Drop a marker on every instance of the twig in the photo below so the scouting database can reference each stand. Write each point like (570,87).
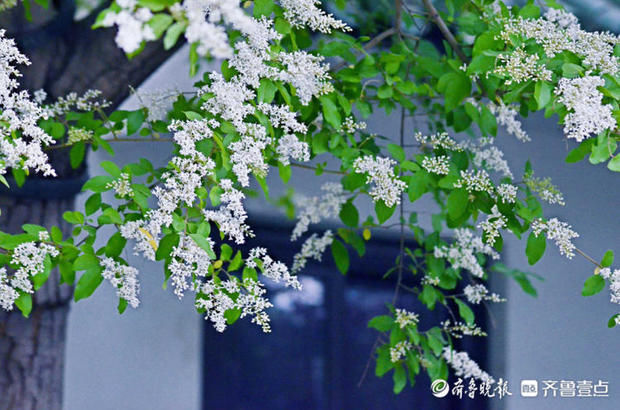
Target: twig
(445,31)
(327,171)
(370,44)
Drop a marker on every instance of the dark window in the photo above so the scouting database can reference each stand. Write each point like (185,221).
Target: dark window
(320,344)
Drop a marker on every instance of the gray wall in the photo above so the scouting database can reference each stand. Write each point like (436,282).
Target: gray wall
(150,358)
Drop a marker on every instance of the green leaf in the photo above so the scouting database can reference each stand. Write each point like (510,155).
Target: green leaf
(349,214)
(542,94)
(285,172)
(98,183)
(455,87)
(341,256)
(383,211)
(382,323)
(232,315)
(457,203)
(266,91)
(385,91)
(397,152)
(399,378)
(579,153)
(330,111)
(88,283)
(593,285)
(614,164)
(122,305)
(204,244)
(612,321)
(165,246)
(608,259)
(530,11)
(159,23)
(535,247)
(115,245)
(263,8)
(465,311)
(73,217)
(111,168)
(24,303)
(76,155)
(93,203)
(173,33)
(134,121)
(86,261)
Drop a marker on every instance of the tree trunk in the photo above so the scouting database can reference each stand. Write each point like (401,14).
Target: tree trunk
(32,349)
(66,56)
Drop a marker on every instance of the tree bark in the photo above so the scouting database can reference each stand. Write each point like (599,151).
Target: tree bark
(32,349)
(66,56)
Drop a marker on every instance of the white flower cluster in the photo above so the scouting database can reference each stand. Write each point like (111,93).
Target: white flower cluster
(350,126)
(430,280)
(558,31)
(274,270)
(478,292)
(507,193)
(438,140)
(387,186)
(189,262)
(91,100)
(186,174)
(132,21)
(122,185)
(465,367)
(487,155)
(315,209)
(507,117)
(301,13)
(559,232)
(519,67)
(8,295)
(494,222)
(437,165)
(231,216)
(157,103)
(124,279)
(289,146)
(587,114)
(29,257)
(399,350)
(475,181)
(462,253)
(231,99)
(21,139)
(460,329)
(79,134)
(614,286)
(405,318)
(544,188)
(313,248)
(217,297)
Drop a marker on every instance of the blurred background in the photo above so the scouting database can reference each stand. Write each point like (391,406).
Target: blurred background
(165,356)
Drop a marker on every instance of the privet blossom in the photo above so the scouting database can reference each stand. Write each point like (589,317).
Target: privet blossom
(462,253)
(387,187)
(124,279)
(21,139)
(465,367)
(559,232)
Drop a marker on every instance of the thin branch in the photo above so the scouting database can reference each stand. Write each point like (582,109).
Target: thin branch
(445,31)
(327,171)
(588,257)
(370,44)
